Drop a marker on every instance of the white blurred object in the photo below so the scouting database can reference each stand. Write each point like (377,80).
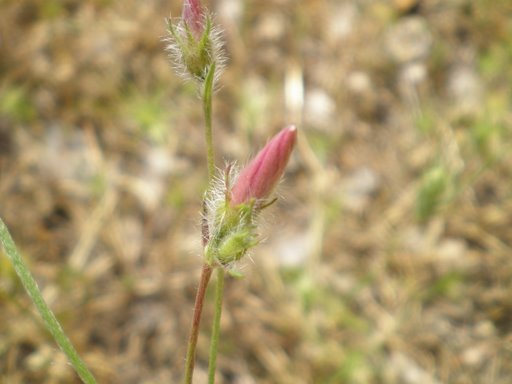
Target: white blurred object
(66,155)
(414,73)
(359,187)
(341,24)
(359,82)
(294,91)
(403,369)
(230,11)
(319,109)
(293,250)
(465,87)
(409,39)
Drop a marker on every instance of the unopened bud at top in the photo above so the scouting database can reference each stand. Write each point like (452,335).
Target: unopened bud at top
(259,178)
(195,45)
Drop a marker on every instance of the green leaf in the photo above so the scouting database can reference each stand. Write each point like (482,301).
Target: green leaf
(49,318)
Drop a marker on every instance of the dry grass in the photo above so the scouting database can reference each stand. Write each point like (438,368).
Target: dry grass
(388,257)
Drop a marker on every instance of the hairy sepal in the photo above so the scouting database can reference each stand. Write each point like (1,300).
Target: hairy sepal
(233,233)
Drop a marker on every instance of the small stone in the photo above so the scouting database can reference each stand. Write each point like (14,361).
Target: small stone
(414,73)
(359,82)
(451,252)
(409,40)
(475,355)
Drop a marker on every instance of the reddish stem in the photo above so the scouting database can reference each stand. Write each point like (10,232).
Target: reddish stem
(196,320)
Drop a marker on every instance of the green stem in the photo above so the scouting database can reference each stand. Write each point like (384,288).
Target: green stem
(48,317)
(196,320)
(207,110)
(207,269)
(214,344)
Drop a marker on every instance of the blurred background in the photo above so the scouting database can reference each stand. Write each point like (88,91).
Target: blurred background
(388,254)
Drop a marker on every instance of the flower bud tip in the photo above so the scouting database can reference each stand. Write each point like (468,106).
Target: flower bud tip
(192,15)
(261,175)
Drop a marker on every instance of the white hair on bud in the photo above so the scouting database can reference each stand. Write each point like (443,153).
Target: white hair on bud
(217,193)
(216,52)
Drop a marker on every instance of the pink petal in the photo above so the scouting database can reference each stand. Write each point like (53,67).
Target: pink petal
(193,16)
(258,179)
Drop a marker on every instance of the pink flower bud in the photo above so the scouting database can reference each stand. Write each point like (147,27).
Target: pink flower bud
(261,175)
(195,43)
(193,16)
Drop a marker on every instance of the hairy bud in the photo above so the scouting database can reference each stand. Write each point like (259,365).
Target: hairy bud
(232,211)
(194,43)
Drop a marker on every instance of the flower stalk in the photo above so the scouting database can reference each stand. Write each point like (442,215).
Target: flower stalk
(229,211)
(233,226)
(207,111)
(214,342)
(196,320)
